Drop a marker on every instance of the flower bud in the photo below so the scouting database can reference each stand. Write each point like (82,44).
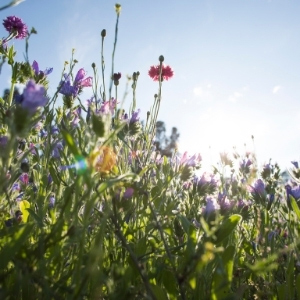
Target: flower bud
(103,33)
(161,58)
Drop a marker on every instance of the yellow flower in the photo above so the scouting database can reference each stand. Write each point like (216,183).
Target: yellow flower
(103,159)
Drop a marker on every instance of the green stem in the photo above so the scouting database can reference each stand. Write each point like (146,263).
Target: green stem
(113,56)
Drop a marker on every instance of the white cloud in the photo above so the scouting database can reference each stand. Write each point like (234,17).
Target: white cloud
(203,92)
(235,96)
(276,89)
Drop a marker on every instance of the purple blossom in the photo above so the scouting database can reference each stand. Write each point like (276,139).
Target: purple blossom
(51,201)
(3,141)
(191,161)
(293,191)
(16,187)
(296,164)
(80,82)
(211,206)
(258,188)
(128,193)
(134,117)
(56,150)
(33,96)
(35,67)
(16,27)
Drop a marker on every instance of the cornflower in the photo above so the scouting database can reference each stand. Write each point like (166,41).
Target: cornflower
(166,72)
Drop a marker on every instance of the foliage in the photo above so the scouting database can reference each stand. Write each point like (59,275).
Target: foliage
(89,209)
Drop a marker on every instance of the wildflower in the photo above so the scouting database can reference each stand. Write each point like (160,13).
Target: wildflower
(166,72)
(206,184)
(33,96)
(24,178)
(294,192)
(191,161)
(128,193)
(258,188)
(108,107)
(16,27)
(211,206)
(38,72)
(58,147)
(3,141)
(296,164)
(103,159)
(51,201)
(80,82)
(244,165)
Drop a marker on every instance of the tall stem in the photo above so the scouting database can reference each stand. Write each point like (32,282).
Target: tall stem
(113,55)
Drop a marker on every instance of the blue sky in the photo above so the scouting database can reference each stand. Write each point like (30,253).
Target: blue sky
(236,64)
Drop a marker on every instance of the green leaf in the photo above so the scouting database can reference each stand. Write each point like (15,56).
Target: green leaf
(159,292)
(295,206)
(70,142)
(227,228)
(24,205)
(222,277)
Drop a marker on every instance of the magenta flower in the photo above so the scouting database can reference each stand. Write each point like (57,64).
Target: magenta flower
(166,72)
(16,27)
(80,81)
(24,178)
(33,96)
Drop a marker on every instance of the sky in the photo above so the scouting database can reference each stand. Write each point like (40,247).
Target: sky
(236,65)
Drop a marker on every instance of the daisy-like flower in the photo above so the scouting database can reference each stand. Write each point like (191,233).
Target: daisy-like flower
(16,27)
(166,72)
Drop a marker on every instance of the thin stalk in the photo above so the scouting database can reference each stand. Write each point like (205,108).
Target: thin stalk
(103,33)
(113,56)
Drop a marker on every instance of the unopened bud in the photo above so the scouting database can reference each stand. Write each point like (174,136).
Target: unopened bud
(103,33)
(93,65)
(161,58)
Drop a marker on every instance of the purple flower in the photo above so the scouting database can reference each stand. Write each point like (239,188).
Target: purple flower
(16,27)
(35,67)
(3,141)
(66,88)
(33,96)
(51,201)
(128,193)
(72,90)
(211,206)
(191,161)
(57,149)
(295,163)
(258,188)
(293,191)
(135,117)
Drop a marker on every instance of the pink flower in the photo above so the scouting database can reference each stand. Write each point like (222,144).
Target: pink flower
(166,72)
